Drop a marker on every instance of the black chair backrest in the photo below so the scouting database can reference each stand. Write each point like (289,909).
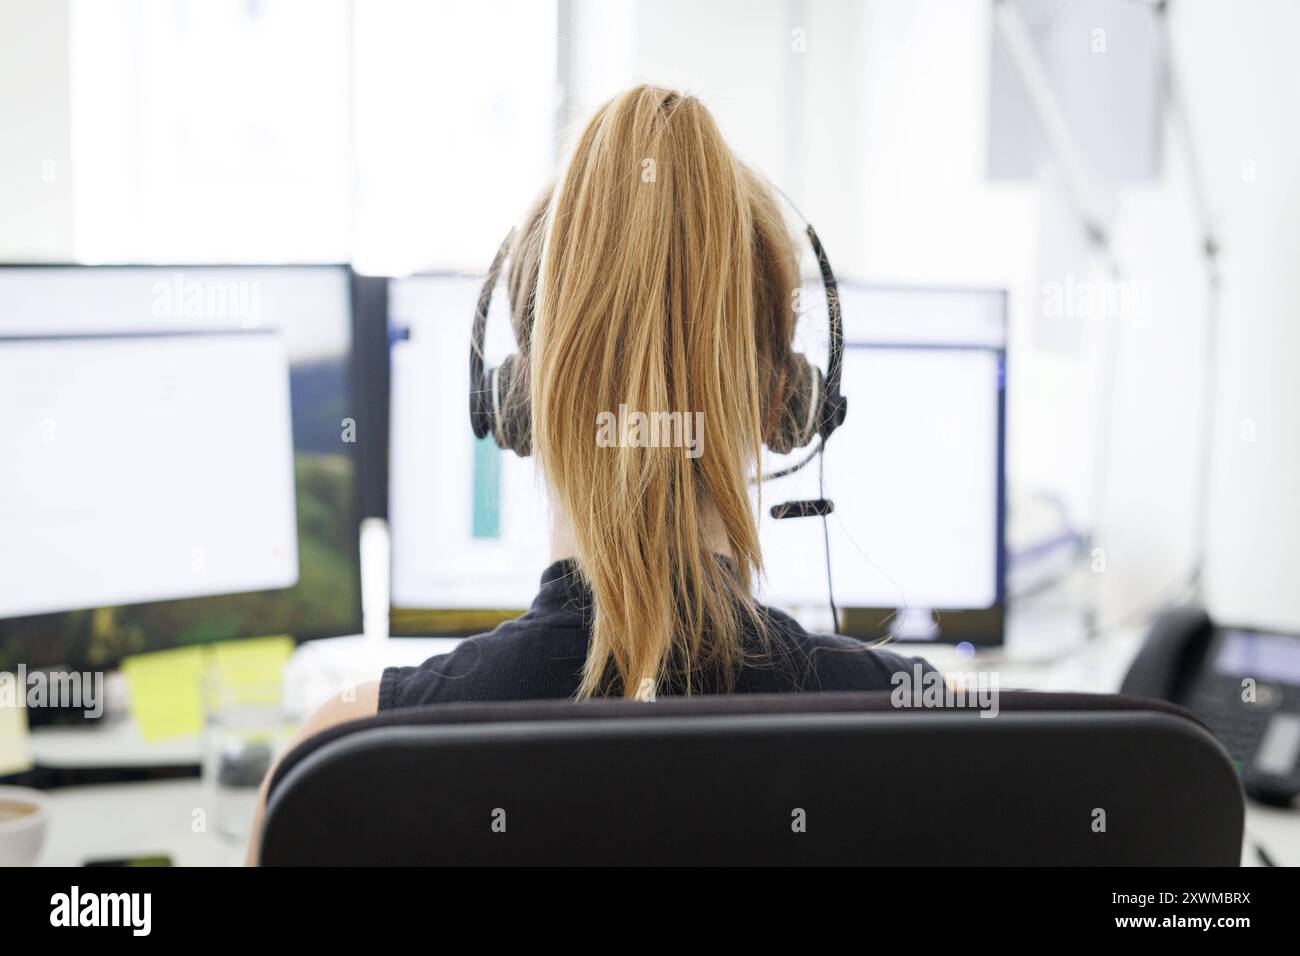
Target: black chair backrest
(785,779)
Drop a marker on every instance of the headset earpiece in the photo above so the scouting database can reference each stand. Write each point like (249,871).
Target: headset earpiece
(798,412)
(512,419)
(812,405)
(497,405)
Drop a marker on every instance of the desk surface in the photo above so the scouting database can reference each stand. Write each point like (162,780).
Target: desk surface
(144,819)
(130,820)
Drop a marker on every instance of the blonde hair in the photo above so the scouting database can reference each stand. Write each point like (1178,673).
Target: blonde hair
(657,274)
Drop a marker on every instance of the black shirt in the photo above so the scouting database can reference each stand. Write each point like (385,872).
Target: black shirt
(540,655)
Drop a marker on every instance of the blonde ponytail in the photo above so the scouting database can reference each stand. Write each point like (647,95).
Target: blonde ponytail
(662,289)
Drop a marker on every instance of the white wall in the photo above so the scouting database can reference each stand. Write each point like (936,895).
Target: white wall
(211,132)
(736,55)
(1244,82)
(454,124)
(35,134)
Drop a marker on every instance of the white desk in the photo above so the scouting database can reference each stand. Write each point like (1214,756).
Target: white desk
(139,819)
(317,670)
(127,820)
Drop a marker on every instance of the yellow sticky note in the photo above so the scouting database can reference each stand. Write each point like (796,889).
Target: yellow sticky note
(167,687)
(15,754)
(257,660)
(166,693)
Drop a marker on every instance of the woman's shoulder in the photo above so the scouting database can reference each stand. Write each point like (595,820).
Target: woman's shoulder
(519,659)
(836,662)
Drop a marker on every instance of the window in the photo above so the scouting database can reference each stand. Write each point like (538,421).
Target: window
(211,131)
(456,107)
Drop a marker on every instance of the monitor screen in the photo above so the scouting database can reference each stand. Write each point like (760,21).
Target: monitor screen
(179,466)
(916,472)
(468,521)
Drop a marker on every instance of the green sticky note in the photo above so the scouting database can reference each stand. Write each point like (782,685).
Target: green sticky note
(166,692)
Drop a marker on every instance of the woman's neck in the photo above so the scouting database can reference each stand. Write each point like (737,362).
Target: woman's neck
(564,544)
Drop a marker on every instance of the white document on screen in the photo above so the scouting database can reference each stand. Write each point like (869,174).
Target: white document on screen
(144,468)
(914,476)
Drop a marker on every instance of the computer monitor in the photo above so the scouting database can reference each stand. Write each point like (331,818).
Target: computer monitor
(178,458)
(916,472)
(468,522)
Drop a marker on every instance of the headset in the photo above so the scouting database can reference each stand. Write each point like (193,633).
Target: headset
(808,414)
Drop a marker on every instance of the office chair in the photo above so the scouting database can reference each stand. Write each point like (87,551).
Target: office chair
(826,778)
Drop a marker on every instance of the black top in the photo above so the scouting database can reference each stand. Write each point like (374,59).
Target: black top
(540,656)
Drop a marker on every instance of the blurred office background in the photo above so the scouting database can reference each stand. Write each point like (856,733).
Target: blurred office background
(410,135)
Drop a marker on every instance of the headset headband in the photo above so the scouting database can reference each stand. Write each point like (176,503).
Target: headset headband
(835,406)
(480,385)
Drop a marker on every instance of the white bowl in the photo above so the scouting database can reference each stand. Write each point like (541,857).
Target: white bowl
(21,836)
